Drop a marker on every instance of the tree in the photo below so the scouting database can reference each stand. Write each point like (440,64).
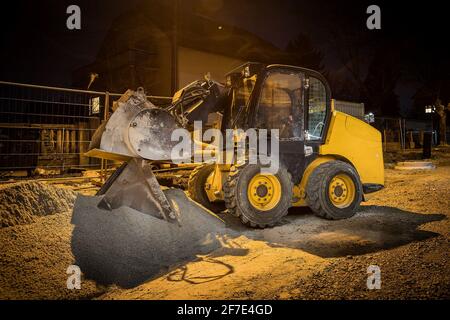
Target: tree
(442,113)
(354,51)
(342,86)
(380,82)
(428,65)
(304,54)
(373,64)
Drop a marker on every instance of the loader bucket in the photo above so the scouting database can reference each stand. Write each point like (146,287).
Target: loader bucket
(135,186)
(136,133)
(136,129)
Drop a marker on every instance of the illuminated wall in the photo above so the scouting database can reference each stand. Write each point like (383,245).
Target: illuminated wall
(194,64)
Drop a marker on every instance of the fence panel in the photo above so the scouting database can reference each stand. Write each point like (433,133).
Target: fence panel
(400,133)
(48,129)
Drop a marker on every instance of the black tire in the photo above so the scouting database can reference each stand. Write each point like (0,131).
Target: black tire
(196,187)
(108,183)
(238,204)
(317,195)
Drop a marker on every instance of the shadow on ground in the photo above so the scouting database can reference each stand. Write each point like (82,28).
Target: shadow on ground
(127,248)
(372,229)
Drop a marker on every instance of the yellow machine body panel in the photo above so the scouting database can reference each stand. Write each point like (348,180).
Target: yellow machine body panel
(351,140)
(357,142)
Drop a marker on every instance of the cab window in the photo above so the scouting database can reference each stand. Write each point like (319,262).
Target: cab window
(280,103)
(317,109)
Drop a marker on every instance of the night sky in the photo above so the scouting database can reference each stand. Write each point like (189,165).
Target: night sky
(38,48)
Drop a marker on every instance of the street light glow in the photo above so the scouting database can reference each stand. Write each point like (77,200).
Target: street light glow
(429,109)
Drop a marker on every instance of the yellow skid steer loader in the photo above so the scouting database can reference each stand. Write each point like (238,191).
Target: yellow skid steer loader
(329,161)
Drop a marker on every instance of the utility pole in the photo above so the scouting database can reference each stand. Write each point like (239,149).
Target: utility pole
(428,137)
(174,82)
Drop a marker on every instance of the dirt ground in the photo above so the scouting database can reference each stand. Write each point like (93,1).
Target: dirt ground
(404,230)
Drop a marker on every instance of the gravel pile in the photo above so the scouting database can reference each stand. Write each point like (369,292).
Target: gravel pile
(126,247)
(34,259)
(21,203)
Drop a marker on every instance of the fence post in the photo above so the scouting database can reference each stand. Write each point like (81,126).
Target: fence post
(106,111)
(82,144)
(63,144)
(104,168)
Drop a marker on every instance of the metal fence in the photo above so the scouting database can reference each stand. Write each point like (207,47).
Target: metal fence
(48,129)
(401,133)
(354,109)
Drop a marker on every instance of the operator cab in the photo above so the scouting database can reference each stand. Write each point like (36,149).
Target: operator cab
(294,100)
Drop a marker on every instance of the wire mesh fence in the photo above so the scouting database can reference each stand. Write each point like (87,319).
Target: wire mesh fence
(48,129)
(401,133)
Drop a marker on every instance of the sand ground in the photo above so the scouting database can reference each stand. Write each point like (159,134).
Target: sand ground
(404,229)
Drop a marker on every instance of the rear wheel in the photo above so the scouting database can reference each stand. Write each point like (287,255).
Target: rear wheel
(334,190)
(259,200)
(196,187)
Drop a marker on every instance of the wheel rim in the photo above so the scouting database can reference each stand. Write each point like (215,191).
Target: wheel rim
(341,191)
(264,192)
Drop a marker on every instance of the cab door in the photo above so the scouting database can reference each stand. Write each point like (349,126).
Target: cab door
(281,106)
(316,111)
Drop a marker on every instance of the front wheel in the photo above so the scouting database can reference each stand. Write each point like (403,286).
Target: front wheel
(259,200)
(334,190)
(196,187)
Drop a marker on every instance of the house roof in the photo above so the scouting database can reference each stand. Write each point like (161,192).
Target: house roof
(193,31)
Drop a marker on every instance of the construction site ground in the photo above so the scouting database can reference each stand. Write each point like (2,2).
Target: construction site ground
(404,229)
